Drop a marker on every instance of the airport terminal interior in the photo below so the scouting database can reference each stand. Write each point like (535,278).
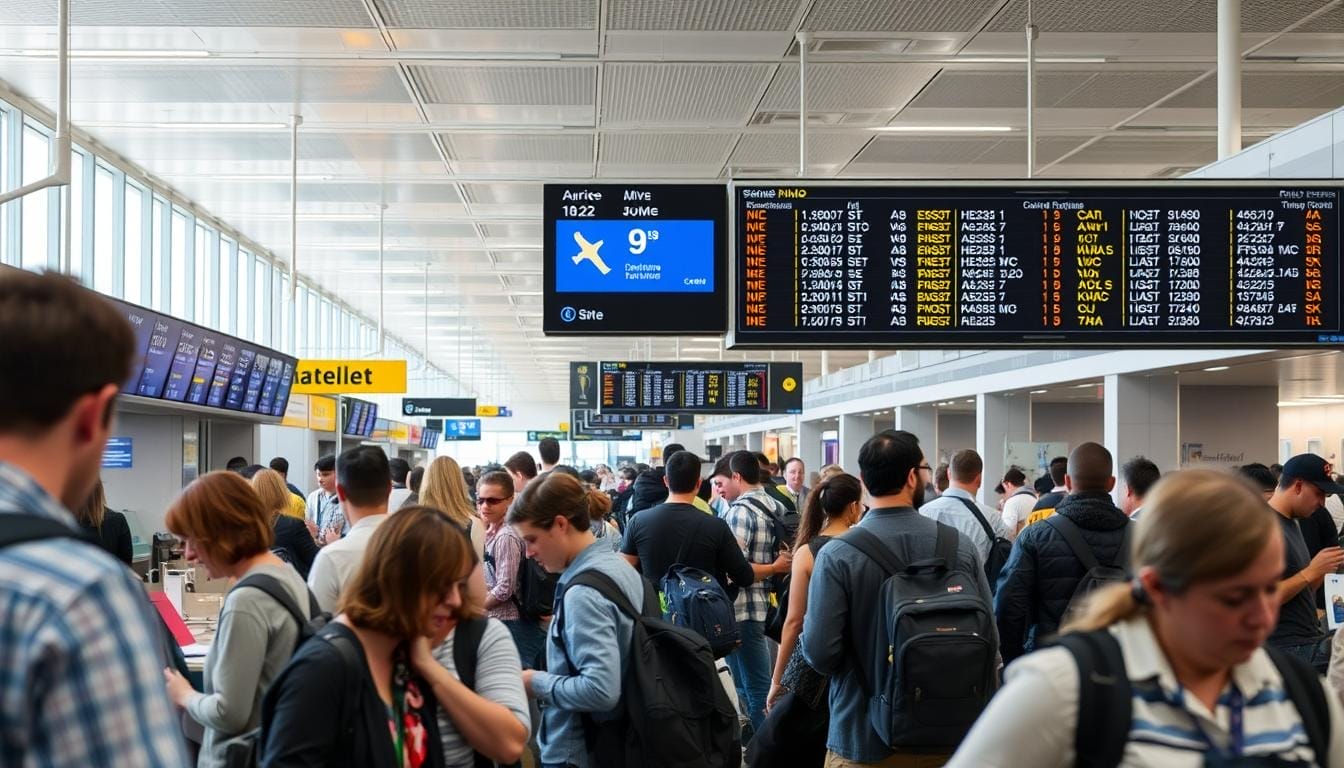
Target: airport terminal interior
(1028,233)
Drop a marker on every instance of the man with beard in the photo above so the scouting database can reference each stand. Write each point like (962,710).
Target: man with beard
(843,612)
(1042,573)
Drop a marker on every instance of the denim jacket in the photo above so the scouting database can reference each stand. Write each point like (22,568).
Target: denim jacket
(597,636)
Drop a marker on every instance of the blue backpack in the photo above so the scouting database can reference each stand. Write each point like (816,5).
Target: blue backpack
(695,600)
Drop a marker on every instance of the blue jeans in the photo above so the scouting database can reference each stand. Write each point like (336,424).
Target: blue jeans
(1316,654)
(750,668)
(530,639)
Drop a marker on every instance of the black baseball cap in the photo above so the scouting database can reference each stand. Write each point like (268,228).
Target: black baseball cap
(1311,468)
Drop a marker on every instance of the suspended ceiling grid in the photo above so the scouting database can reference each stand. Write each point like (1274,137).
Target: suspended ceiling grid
(455,113)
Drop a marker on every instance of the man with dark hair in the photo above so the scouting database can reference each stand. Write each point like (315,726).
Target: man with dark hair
(770,487)
(82,681)
(523,469)
(1260,478)
(401,469)
(1042,573)
(752,516)
(940,477)
(322,510)
(1140,475)
(954,506)
(1046,504)
(843,613)
(549,449)
(1302,486)
(413,481)
(1018,502)
(363,482)
(677,531)
(237,464)
(281,464)
(670,449)
(795,475)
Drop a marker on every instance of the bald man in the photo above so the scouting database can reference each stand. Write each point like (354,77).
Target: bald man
(1043,570)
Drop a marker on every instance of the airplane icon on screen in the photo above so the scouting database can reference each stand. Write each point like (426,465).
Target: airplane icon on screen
(589,252)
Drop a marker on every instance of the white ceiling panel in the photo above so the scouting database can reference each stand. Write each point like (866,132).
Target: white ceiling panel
(823,148)
(512,230)
(520,147)
(522,194)
(1120,150)
(848,87)
(522,85)
(192,13)
(664,149)
(958,16)
(674,95)
(1149,15)
(702,15)
(925,149)
(489,14)
(961,89)
(1318,91)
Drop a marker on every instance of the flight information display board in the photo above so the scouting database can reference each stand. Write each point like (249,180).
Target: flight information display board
(678,387)
(635,258)
(1180,264)
(637,420)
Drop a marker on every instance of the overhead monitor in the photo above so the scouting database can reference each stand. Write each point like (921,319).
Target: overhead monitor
(680,387)
(1030,264)
(580,431)
(461,429)
(638,420)
(635,258)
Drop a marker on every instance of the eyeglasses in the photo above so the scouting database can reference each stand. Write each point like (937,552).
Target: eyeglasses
(925,467)
(486,500)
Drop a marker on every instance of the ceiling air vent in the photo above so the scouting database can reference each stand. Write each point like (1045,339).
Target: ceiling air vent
(857,45)
(791,118)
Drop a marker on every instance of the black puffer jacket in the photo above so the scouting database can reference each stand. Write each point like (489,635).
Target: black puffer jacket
(1042,572)
(649,491)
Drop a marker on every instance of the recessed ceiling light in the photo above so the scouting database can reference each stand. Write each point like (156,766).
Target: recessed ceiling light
(942,129)
(1085,386)
(1039,391)
(1216,368)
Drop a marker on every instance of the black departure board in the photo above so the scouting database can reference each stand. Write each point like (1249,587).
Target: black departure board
(637,420)
(662,387)
(1179,264)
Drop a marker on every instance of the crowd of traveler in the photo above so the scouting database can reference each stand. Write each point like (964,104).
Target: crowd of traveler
(531,613)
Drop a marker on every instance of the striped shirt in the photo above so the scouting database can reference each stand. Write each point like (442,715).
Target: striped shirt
(756,537)
(1032,720)
(504,550)
(81,681)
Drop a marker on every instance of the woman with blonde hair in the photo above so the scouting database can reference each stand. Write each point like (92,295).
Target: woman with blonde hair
(1171,668)
(293,543)
(444,489)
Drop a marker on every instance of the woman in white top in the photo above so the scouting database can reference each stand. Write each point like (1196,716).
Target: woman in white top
(1189,630)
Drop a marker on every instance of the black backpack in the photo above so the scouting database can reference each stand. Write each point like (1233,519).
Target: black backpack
(466,648)
(999,547)
(674,711)
(785,530)
(1096,575)
(535,590)
(1105,703)
(936,662)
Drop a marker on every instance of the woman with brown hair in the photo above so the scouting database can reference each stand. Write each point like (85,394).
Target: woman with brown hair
(107,527)
(293,543)
(225,529)
(350,696)
(1174,663)
(444,489)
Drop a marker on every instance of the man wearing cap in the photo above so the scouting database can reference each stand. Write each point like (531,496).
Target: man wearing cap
(1018,501)
(1302,488)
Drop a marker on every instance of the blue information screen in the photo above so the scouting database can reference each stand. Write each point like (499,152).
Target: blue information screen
(634,256)
(461,429)
(118,454)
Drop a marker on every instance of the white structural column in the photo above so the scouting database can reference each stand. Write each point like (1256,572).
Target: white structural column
(922,422)
(854,432)
(1229,78)
(1142,416)
(756,441)
(809,446)
(999,420)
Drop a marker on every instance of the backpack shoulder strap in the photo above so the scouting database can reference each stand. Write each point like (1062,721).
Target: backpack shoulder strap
(1122,556)
(870,545)
(272,587)
(945,545)
(1105,707)
(20,529)
(466,649)
(1074,539)
(1303,687)
(979,517)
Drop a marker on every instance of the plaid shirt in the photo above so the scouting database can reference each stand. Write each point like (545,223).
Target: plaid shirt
(757,539)
(81,680)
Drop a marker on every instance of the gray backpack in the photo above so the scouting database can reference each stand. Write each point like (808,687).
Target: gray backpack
(936,662)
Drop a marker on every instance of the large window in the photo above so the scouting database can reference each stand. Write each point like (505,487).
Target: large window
(245,262)
(261,322)
(227,273)
(201,277)
(158,272)
(36,225)
(135,250)
(104,256)
(177,266)
(78,190)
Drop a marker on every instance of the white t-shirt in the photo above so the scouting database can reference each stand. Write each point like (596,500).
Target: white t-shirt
(337,561)
(1016,509)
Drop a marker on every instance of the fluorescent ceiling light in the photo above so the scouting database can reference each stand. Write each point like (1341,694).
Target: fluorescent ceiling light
(106,54)
(942,129)
(1216,368)
(182,126)
(1039,391)
(1086,386)
(706,339)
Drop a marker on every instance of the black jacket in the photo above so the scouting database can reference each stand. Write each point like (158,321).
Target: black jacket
(1042,572)
(291,534)
(114,535)
(649,491)
(322,711)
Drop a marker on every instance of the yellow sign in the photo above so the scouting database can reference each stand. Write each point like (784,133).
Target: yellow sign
(296,412)
(487,410)
(322,414)
(564,426)
(348,377)
(788,384)
(398,432)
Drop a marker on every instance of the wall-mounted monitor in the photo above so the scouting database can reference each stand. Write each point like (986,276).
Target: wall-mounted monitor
(678,387)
